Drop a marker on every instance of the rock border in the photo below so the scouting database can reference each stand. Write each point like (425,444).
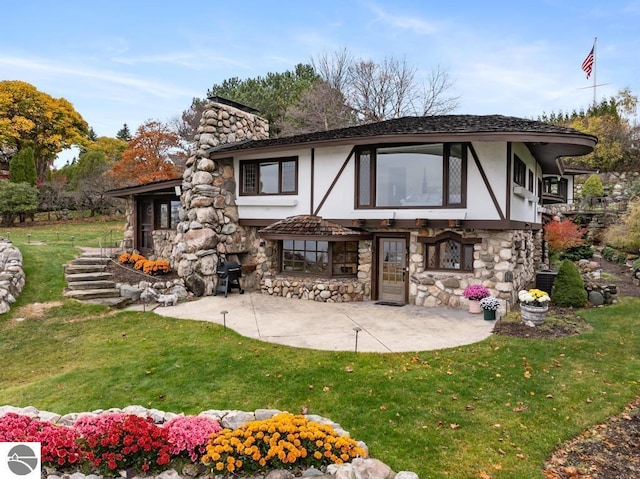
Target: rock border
(12,277)
(369,468)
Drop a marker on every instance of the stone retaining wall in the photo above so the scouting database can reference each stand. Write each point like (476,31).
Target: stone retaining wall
(11,274)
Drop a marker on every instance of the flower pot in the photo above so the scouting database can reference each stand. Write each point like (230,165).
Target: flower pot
(489,314)
(474,306)
(534,314)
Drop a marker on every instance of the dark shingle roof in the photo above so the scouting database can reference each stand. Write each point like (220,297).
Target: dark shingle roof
(308,225)
(422,125)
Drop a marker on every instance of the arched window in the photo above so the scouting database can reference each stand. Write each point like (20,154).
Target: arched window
(449,250)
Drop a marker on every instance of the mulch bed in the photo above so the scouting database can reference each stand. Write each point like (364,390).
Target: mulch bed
(126,274)
(607,451)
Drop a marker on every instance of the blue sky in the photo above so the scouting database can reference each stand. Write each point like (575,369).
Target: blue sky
(130,61)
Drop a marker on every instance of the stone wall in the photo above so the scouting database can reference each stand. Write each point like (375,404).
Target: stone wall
(504,262)
(12,277)
(163,241)
(209,226)
(327,290)
(129,234)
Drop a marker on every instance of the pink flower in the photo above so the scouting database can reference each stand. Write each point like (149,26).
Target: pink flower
(188,435)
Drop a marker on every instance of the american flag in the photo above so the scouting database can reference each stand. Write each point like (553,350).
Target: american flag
(587,64)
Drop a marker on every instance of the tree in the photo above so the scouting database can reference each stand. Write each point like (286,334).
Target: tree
(123,133)
(388,89)
(98,157)
(92,134)
(563,235)
(16,200)
(30,118)
(22,168)
(148,156)
(610,121)
(320,108)
(569,286)
(186,125)
(593,187)
(270,95)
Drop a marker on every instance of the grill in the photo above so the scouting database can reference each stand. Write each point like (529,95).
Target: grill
(229,274)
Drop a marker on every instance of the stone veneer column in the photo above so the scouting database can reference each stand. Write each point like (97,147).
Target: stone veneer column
(209,225)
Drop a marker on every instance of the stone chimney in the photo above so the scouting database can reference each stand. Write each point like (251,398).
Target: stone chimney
(209,226)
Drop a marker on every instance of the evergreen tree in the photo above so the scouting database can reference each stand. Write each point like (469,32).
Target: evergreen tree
(569,286)
(22,168)
(92,134)
(593,187)
(123,133)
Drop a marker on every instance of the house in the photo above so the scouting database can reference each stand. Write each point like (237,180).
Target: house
(409,210)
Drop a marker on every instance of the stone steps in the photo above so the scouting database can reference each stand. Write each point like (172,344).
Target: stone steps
(84,268)
(92,284)
(99,276)
(83,294)
(88,280)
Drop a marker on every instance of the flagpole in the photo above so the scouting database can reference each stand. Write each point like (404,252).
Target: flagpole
(595,41)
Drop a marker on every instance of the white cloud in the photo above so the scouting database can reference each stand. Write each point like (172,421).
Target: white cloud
(49,69)
(404,22)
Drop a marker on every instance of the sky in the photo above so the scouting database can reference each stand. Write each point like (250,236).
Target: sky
(131,61)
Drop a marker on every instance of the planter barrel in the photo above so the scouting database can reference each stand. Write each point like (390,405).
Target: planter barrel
(534,314)
(489,315)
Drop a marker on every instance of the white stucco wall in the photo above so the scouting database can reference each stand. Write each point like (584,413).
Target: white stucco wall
(524,206)
(340,203)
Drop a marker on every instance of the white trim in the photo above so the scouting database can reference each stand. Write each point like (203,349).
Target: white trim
(265,201)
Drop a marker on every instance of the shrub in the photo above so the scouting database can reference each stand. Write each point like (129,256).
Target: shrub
(159,266)
(625,235)
(563,235)
(577,253)
(608,253)
(593,187)
(283,442)
(135,257)
(59,444)
(189,435)
(120,441)
(124,258)
(569,286)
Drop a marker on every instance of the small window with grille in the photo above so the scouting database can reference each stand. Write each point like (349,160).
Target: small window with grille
(449,251)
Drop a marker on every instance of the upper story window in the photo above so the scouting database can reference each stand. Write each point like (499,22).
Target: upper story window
(531,183)
(275,176)
(412,176)
(323,258)
(519,171)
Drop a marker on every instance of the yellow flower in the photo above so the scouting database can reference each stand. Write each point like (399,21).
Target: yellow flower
(317,455)
(220,466)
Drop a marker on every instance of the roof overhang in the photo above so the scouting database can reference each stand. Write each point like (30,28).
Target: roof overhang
(547,148)
(156,187)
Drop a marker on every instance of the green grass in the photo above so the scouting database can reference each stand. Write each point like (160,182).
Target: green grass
(500,406)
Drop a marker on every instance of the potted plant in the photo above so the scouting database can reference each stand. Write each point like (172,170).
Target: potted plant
(474,293)
(534,304)
(489,307)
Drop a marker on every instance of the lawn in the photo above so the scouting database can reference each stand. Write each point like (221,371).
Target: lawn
(493,409)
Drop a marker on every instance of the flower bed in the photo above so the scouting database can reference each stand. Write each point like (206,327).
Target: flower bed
(148,440)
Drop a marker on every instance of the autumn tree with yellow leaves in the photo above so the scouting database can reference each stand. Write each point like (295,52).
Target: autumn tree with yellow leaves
(31,118)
